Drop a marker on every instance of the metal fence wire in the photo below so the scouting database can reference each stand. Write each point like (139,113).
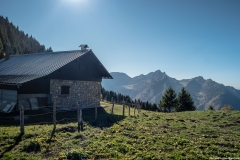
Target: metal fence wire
(50,113)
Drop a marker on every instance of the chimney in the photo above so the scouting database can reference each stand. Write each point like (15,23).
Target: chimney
(7,52)
(84,47)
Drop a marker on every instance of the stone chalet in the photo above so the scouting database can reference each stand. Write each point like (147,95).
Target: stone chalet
(33,79)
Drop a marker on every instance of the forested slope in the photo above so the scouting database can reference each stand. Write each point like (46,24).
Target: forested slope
(19,42)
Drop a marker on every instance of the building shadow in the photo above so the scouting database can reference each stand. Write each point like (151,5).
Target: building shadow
(104,119)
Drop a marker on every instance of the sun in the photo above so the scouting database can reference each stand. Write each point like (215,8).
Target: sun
(75,6)
(75,1)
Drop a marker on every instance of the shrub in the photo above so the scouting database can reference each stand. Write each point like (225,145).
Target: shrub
(227,108)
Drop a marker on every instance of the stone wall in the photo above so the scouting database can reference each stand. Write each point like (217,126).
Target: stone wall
(86,93)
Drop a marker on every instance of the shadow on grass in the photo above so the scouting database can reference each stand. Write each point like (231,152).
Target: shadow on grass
(104,119)
(17,140)
(52,134)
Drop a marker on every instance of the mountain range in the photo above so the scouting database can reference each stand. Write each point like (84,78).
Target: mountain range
(152,86)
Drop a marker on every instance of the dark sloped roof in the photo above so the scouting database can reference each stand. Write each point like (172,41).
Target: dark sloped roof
(26,67)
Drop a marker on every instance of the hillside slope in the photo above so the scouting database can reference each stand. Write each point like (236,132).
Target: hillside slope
(19,42)
(148,135)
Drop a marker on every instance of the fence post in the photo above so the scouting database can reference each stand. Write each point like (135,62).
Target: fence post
(78,116)
(95,112)
(81,119)
(54,113)
(139,108)
(22,119)
(129,110)
(123,103)
(134,109)
(112,105)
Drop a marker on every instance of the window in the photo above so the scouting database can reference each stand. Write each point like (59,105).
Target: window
(65,89)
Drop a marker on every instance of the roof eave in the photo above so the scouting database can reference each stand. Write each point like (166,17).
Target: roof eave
(109,75)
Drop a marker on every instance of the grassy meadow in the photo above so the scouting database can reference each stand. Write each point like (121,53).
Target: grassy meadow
(148,135)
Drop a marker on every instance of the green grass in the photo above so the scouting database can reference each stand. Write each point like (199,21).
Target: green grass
(148,135)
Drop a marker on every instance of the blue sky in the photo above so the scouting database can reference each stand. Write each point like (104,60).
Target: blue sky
(184,38)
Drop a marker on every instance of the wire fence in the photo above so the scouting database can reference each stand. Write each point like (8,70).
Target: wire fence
(49,114)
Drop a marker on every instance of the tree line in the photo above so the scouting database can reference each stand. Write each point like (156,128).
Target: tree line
(120,98)
(17,40)
(169,102)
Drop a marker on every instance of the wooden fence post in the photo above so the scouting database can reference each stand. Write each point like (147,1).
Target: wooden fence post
(123,112)
(78,116)
(130,105)
(112,105)
(95,112)
(134,109)
(81,119)
(139,108)
(22,119)
(54,113)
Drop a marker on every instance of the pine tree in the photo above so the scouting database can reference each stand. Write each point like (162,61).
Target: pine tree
(154,107)
(147,106)
(50,49)
(168,101)
(1,46)
(210,107)
(184,102)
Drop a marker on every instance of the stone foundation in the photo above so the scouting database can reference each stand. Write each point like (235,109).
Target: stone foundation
(86,93)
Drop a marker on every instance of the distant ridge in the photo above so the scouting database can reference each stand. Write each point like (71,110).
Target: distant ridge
(152,86)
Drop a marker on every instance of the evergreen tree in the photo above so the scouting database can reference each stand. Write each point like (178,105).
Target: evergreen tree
(184,102)
(147,106)
(1,47)
(144,106)
(154,107)
(49,49)
(168,101)
(210,107)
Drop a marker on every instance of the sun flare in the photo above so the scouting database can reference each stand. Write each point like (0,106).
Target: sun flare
(75,1)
